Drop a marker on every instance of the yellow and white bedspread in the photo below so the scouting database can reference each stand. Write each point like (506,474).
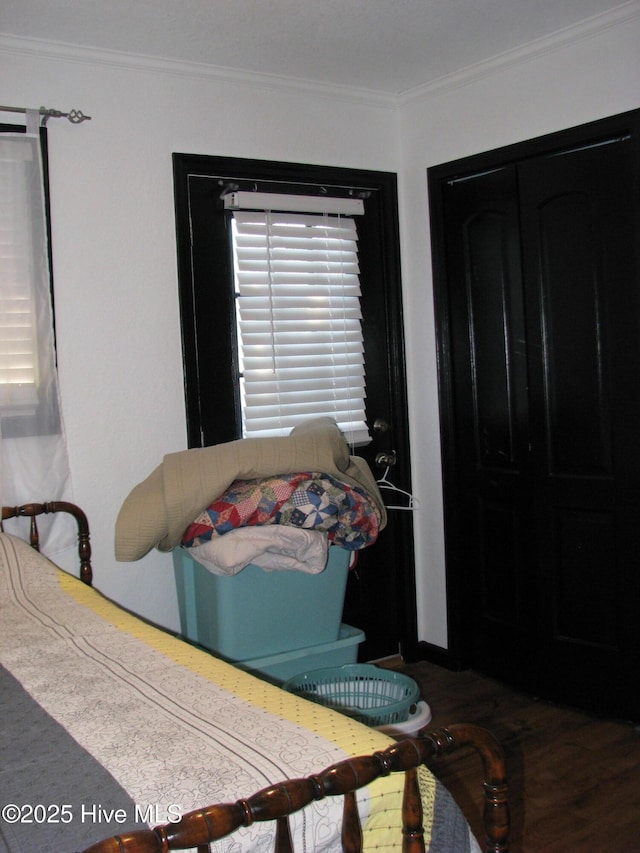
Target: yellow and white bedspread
(169,727)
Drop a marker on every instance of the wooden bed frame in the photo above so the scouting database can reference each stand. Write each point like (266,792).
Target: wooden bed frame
(33,510)
(277,802)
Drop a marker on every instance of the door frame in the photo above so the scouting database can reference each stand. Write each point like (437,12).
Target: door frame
(628,123)
(380,275)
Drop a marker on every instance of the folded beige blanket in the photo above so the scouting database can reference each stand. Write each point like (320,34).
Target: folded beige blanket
(158,511)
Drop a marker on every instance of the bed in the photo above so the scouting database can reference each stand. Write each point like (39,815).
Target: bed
(112,726)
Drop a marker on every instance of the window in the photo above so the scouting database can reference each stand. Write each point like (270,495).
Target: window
(212,352)
(18,374)
(27,404)
(299,322)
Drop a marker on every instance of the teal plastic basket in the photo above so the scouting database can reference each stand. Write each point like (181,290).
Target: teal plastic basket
(374,696)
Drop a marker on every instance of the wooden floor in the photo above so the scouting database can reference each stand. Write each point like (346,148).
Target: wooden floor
(574,779)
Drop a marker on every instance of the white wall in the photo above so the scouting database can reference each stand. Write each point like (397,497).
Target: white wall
(559,85)
(119,349)
(114,244)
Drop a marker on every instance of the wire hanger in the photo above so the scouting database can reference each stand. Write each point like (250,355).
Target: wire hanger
(385,484)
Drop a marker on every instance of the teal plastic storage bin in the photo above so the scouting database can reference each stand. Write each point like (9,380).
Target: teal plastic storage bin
(257,613)
(279,668)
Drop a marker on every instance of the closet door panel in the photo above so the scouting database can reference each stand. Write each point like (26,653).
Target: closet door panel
(502,556)
(583,306)
(488,308)
(490,500)
(575,350)
(586,610)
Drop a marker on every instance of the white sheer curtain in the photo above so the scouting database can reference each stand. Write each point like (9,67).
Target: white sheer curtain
(33,454)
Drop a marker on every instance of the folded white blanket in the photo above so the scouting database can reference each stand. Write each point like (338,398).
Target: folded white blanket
(272,547)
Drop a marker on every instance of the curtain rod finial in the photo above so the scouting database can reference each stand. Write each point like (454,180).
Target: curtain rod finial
(74,116)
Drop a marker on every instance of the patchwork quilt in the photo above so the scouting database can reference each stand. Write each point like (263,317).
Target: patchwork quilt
(310,501)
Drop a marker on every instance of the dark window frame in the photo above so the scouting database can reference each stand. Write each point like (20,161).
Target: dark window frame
(209,355)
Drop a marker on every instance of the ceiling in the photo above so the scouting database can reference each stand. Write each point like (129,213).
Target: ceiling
(385,46)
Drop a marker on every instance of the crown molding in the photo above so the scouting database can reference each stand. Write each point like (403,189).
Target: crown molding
(592,27)
(63,52)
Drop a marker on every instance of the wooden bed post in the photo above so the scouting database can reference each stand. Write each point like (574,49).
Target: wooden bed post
(496,792)
(32,510)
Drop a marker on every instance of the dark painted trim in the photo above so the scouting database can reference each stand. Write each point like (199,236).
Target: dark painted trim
(212,422)
(436,654)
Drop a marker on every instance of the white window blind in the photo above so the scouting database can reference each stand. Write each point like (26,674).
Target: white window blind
(18,351)
(299,322)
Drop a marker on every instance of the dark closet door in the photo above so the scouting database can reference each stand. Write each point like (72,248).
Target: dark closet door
(581,285)
(541,334)
(489,531)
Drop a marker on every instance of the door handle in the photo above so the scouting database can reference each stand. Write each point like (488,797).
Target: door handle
(387,459)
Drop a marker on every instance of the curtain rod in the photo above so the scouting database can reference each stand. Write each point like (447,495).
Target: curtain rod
(74,116)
